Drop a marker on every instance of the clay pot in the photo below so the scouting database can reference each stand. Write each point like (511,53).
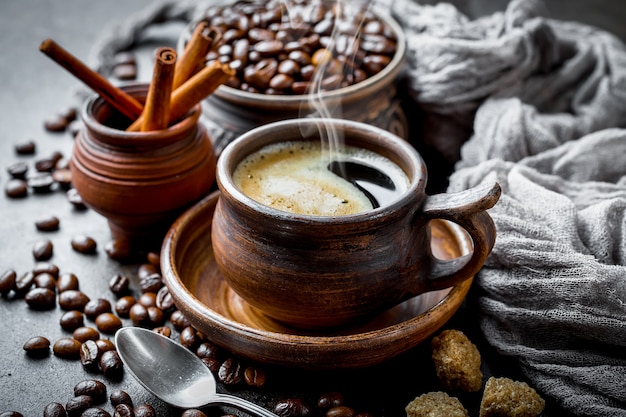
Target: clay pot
(230,112)
(140,181)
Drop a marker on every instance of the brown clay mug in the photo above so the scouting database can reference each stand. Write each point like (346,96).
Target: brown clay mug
(320,271)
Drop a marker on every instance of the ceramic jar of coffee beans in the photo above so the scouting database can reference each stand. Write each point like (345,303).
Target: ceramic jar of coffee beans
(140,181)
(301,58)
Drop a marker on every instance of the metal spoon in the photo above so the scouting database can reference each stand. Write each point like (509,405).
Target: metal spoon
(173,373)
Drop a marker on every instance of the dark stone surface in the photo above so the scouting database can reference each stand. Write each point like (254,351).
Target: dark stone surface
(33,88)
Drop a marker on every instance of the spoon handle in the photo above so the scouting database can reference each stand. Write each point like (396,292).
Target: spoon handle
(243,405)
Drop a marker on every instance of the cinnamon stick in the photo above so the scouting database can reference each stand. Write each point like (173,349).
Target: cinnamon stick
(201,41)
(117,98)
(156,111)
(194,90)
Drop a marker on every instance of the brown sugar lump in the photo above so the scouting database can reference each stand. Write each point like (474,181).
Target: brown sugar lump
(504,397)
(457,361)
(436,404)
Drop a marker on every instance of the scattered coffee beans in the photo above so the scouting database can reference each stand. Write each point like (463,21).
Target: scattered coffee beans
(54,409)
(85,333)
(96,307)
(84,244)
(77,405)
(16,188)
(26,147)
(41,184)
(230,372)
(41,299)
(108,323)
(7,281)
(43,250)
(95,412)
(67,347)
(18,170)
(90,354)
(73,300)
(92,387)
(119,284)
(111,364)
(67,281)
(118,397)
(145,410)
(292,407)
(37,346)
(75,199)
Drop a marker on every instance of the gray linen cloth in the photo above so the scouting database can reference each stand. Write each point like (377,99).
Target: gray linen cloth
(538,105)
(546,103)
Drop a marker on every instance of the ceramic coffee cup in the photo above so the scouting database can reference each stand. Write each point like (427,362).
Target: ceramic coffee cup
(325,271)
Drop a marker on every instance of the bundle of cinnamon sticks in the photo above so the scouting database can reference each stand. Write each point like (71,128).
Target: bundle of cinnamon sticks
(178,83)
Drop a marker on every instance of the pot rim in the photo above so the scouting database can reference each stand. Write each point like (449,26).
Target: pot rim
(377,139)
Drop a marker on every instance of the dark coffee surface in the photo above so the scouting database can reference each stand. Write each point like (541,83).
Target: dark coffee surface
(33,89)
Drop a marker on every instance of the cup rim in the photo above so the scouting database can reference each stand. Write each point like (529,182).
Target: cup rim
(378,139)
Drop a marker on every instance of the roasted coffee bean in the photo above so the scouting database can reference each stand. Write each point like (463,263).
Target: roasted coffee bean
(163,330)
(189,338)
(41,299)
(72,320)
(212,363)
(119,250)
(37,346)
(16,188)
(54,409)
(254,377)
(95,412)
(123,410)
(151,283)
(111,364)
(155,316)
(43,250)
(108,323)
(84,244)
(340,411)
(105,345)
(330,400)
(96,307)
(67,347)
(41,183)
(145,410)
(193,412)
(90,354)
(73,300)
(11,414)
(92,387)
(178,320)
(138,315)
(45,165)
(119,396)
(154,258)
(7,281)
(75,199)
(85,333)
(24,283)
(147,299)
(124,304)
(26,147)
(77,405)
(230,372)
(63,177)
(164,299)
(55,123)
(67,281)
(145,270)
(207,350)
(46,280)
(18,170)
(292,407)
(119,284)
(46,268)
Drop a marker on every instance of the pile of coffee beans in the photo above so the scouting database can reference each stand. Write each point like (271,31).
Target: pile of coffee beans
(296,47)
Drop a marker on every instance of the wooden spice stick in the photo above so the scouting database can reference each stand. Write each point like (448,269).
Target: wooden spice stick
(195,52)
(199,86)
(156,111)
(117,98)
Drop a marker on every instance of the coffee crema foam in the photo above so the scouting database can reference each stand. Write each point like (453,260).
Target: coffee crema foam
(294,177)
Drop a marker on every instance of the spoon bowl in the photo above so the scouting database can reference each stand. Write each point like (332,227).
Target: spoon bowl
(173,373)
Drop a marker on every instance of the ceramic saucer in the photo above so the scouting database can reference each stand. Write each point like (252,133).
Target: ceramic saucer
(201,293)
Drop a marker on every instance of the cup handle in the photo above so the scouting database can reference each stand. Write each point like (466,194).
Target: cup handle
(468,210)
